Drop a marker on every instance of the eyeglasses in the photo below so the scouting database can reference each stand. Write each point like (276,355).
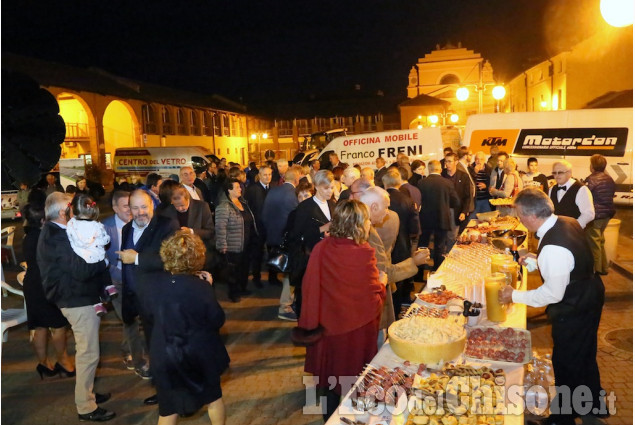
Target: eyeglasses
(557,173)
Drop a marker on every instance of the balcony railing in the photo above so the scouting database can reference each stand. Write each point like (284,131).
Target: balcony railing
(75,130)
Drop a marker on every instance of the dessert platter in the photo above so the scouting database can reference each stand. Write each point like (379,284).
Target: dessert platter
(498,344)
(430,340)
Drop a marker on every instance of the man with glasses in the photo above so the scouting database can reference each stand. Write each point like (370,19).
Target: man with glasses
(570,197)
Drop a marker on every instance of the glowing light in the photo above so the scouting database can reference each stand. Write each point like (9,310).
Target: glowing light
(419,126)
(265,135)
(554,102)
(254,136)
(498,92)
(454,118)
(462,94)
(543,104)
(617,13)
(433,119)
(419,117)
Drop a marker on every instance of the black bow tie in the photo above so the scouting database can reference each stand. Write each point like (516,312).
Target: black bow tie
(562,188)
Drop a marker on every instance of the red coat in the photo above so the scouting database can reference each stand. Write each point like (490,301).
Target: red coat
(341,291)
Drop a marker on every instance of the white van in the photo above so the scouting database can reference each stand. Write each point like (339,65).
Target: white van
(363,149)
(574,135)
(134,164)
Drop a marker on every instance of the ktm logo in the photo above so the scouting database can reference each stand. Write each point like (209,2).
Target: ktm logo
(494,141)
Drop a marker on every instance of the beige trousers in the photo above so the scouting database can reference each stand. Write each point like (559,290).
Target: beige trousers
(85,325)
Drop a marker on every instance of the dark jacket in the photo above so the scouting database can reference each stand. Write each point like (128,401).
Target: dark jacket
(199,219)
(437,197)
(280,201)
(255,195)
(463,188)
(602,188)
(378,176)
(147,247)
(408,223)
(308,220)
(67,279)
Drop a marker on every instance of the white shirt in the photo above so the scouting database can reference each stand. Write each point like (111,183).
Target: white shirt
(324,206)
(583,199)
(555,264)
(137,232)
(266,186)
(192,191)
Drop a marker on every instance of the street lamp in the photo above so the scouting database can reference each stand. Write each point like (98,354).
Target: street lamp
(617,13)
(454,118)
(462,94)
(259,137)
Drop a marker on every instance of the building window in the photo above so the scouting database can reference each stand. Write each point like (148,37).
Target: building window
(225,125)
(166,122)
(285,128)
(235,126)
(450,79)
(208,129)
(303,127)
(195,129)
(180,122)
(147,116)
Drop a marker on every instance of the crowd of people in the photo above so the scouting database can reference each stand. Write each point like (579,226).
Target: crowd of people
(355,238)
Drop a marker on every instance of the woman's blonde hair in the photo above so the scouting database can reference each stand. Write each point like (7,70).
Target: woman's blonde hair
(509,165)
(183,253)
(348,220)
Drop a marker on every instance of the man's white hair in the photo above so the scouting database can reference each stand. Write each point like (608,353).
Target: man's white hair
(374,194)
(352,172)
(566,164)
(56,202)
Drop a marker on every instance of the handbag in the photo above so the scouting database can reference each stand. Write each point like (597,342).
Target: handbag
(279,257)
(279,260)
(305,337)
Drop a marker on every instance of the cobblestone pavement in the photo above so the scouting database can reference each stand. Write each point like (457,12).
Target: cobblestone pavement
(264,383)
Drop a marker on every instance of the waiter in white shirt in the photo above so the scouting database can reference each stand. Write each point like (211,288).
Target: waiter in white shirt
(186,178)
(569,196)
(574,297)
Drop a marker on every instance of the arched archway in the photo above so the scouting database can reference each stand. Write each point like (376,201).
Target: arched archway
(120,127)
(80,125)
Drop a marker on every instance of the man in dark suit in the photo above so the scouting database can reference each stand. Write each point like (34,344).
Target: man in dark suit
(438,196)
(140,244)
(461,182)
(191,215)
(404,206)
(132,344)
(280,201)
(255,195)
(380,163)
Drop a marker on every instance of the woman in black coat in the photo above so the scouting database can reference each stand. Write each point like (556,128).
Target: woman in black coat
(312,221)
(188,355)
(42,315)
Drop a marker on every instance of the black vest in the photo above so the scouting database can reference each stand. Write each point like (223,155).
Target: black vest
(567,205)
(499,179)
(585,291)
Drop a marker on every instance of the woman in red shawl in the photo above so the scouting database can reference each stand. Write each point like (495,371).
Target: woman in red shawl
(342,291)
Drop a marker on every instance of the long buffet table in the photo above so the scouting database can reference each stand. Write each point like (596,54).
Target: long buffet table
(455,279)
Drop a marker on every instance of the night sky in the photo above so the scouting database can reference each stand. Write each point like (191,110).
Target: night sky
(279,51)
